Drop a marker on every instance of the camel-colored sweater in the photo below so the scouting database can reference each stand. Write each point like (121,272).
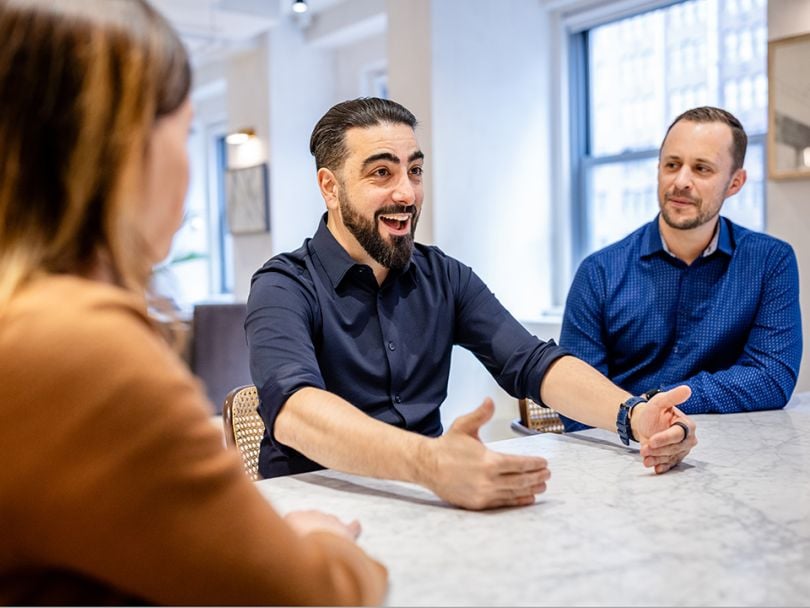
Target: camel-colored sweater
(116,488)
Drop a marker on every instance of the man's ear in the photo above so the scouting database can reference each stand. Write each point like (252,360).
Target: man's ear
(736,183)
(329,186)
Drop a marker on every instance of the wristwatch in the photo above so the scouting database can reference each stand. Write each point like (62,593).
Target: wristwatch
(623,419)
(650,394)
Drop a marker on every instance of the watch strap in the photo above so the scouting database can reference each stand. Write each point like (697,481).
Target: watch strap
(623,427)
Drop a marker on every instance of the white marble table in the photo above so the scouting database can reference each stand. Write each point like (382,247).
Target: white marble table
(730,526)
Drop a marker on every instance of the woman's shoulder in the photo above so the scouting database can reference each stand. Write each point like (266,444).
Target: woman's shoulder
(63,316)
(67,331)
(84,362)
(54,300)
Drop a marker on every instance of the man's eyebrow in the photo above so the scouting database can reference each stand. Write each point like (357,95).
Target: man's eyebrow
(381,156)
(700,160)
(418,155)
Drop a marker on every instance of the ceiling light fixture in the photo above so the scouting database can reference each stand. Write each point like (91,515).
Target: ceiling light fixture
(299,6)
(239,137)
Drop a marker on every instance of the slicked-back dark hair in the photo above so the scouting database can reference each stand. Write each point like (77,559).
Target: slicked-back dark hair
(328,141)
(739,140)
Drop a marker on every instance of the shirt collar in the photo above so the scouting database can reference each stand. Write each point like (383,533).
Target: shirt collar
(653,242)
(335,260)
(725,240)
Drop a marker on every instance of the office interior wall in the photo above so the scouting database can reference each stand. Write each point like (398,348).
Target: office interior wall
(248,103)
(787,212)
(302,85)
(355,61)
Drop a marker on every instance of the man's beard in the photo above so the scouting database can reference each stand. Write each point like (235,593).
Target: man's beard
(703,215)
(394,254)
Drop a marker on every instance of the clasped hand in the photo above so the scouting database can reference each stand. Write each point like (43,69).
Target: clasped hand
(663,443)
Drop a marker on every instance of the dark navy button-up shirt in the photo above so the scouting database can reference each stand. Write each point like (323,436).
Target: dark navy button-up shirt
(728,325)
(317,318)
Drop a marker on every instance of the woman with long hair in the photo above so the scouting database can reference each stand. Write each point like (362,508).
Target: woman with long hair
(115,486)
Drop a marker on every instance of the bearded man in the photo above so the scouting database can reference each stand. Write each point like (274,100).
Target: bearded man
(350,339)
(692,298)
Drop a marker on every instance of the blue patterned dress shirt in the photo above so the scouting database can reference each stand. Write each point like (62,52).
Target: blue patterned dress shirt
(728,325)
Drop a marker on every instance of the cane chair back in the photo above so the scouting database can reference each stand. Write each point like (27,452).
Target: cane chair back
(244,428)
(539,418)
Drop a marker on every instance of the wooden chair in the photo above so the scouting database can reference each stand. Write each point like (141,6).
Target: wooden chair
(244,427)
(536,418)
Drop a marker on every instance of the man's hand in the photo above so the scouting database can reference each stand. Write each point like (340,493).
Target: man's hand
(462,471)
(663,442)
(304,522)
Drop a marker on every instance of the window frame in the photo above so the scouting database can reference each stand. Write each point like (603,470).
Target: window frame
(575,79)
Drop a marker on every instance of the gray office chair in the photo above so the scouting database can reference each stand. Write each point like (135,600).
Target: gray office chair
(219,351)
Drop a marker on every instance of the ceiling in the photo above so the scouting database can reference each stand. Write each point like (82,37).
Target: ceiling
(211,27)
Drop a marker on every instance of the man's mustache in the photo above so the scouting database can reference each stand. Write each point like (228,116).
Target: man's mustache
(682,195)
(411,209)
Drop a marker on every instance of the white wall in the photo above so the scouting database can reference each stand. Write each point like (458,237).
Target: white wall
(302,88)
(353,63)
(787,201)
(491,145)
(247,100)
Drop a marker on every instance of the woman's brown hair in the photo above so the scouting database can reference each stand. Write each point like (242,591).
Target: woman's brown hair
(82,83)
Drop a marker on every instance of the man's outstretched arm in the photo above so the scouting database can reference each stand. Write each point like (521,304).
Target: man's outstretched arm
(457,466)
(574,388)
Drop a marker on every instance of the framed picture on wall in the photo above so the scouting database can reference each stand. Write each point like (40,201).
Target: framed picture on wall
(789,108)
(247,193)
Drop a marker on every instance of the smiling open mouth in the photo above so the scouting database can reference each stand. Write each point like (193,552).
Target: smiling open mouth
(397,222)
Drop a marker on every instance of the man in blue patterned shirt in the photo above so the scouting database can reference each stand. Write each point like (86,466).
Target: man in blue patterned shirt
(692,298)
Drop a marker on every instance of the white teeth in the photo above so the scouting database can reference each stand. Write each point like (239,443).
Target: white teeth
(401,217)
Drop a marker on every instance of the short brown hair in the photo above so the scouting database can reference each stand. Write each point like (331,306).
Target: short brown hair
(739,141)
(328,141)
(82,83)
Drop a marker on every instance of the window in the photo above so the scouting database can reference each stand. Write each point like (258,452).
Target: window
(374,81)
(200,265)
(630,78)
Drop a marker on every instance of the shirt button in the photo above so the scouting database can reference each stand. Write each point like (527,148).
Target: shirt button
(675,350)
(397,398)
(392,346)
